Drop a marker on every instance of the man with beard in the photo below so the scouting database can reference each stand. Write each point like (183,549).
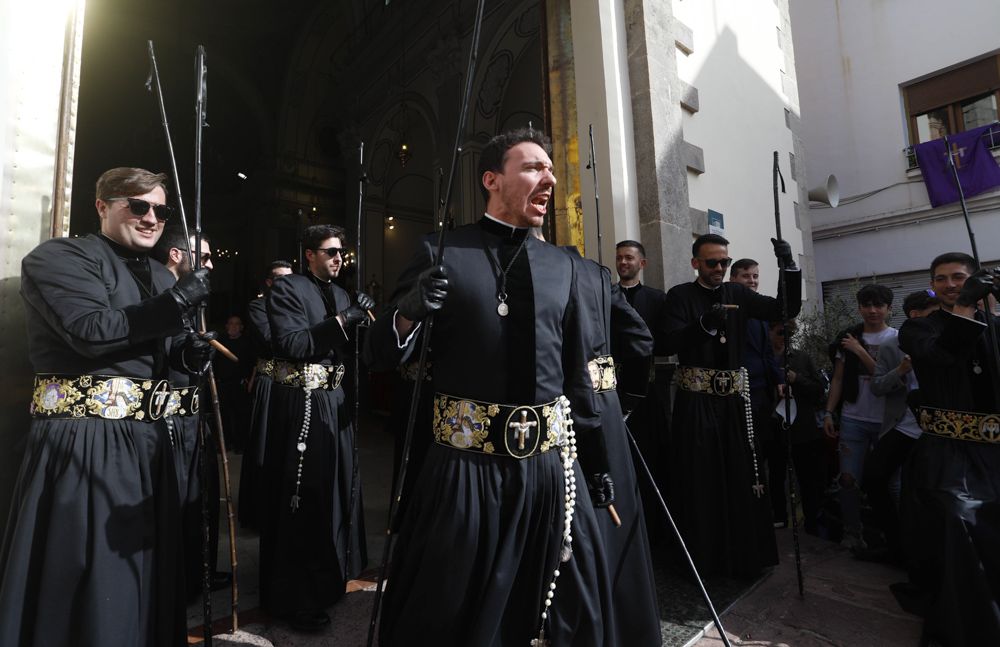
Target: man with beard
(183,417)
(260,394)
(494,546)
(91,552)
(649,416)
(950,505)
(715,476)
(306,529)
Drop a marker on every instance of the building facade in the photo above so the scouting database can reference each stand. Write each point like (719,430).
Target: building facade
(877,77)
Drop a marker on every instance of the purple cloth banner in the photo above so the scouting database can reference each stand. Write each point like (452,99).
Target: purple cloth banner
(977,170)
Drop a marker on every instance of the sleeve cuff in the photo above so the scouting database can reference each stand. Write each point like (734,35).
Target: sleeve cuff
(405,344)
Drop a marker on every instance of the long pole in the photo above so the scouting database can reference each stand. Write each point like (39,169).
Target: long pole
(786,423)
(680,540)
(592,165)
(200,124)
(355,460)
(153,82)
(990,328)
(428,323)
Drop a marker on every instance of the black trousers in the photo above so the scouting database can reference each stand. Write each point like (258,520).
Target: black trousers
(888,455)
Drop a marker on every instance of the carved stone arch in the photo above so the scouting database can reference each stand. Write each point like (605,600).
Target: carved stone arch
(511,38)
(384,166)
(320,50)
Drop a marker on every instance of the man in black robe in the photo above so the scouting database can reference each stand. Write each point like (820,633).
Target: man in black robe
(183,417)
(950,503)
(649,417)
(479,559)
(91,553)
(715,475)
(259,332)
(307,528)
(618,342)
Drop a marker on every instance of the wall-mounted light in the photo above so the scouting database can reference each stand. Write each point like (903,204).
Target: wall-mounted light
(241,175)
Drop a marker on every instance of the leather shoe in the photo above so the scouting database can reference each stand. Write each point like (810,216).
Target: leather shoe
(308,621)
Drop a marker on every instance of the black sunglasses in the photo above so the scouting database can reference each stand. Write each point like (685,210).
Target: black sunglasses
(140,208)
(332,251)
(716,262)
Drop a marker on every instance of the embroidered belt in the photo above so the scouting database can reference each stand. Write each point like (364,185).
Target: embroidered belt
(307,376)
(265,367)
(500,429)
(709,380)
(110,397)
(183,402)
(602,373)
(408,371)
(960,425)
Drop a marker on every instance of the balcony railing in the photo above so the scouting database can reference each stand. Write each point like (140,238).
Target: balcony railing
(993,143)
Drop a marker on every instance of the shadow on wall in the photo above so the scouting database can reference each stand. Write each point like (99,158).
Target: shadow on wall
(15,390)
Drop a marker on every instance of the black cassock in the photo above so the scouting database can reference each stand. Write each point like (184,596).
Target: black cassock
(613,327)
(259,330)
(92,547)
(649,421)
(303,553)
(710,473)
(481,535)
(950,503)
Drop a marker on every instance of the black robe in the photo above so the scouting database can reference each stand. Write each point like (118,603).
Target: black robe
(609,322)
(481,535)
(303,554)
(649,421)
(950,504)
(91,552)
(710,475)
(251,483)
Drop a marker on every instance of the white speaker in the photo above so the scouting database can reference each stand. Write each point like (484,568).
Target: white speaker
(828,193)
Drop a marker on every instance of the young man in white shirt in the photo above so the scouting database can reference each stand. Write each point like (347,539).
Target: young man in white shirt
(855,353)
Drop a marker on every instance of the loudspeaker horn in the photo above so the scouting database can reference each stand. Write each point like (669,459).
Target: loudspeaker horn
(828,193)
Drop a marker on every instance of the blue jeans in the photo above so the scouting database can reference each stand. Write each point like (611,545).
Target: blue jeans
(857,437)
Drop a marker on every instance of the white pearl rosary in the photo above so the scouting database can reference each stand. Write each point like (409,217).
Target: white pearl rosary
(568,454)
(300,445)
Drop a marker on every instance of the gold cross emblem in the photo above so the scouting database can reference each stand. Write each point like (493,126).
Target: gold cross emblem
(522,428)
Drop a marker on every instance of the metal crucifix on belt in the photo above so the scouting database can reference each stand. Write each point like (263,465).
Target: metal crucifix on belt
(522,428)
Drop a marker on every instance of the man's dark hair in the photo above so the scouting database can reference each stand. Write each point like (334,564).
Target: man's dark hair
(706,239)
(874,294)
(124,182)
(632,243)
(494,155)
(919,300)
(314,235)
(274,265)
(953,257)
(742,264)
(173,238)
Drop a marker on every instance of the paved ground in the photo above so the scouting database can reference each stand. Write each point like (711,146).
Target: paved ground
(847,603)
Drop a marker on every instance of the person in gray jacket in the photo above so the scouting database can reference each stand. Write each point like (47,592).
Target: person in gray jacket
(893,379)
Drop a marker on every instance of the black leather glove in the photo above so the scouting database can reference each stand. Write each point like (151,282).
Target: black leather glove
(976,287)
(715,318)
(197,353)
(427,295)
(783,252)
(191,289)
(602,489)
(358,312)
(996,282)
